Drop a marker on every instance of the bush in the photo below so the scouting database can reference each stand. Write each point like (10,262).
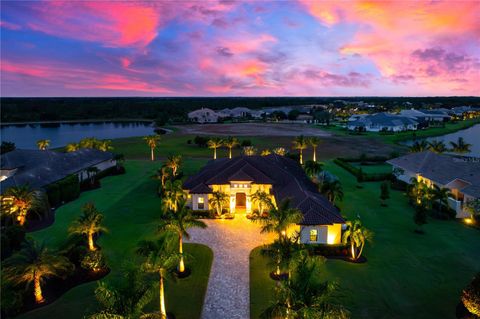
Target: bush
(471,296)
(93,261)
(64,190)
(12,238)
(330,250)
(246,143)
(201,141)
(54,195)
(205,213)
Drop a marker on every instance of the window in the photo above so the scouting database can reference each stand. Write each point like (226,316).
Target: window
(201,203)
(313,235)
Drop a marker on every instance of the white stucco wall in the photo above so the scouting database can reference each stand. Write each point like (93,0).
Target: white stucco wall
(83,175)
(195,201)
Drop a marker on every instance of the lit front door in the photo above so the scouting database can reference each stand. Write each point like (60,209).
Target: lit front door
(240,200)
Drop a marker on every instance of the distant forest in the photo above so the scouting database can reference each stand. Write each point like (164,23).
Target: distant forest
(175,109)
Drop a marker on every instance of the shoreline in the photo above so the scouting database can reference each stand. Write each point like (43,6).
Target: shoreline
(75,121)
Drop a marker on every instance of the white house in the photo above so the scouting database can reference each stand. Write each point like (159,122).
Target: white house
(382,122)
(203,115)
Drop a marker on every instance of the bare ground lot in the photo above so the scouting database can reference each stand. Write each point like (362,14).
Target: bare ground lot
(252,129)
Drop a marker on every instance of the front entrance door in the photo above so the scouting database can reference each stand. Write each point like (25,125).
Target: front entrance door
(240,200)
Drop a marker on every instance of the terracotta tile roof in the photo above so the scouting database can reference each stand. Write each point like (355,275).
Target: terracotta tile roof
(286,176)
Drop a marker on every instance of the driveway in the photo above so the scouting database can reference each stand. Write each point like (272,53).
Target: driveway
(228,291)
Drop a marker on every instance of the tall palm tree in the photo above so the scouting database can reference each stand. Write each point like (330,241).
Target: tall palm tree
(280,218)
(440,195)
(43,144)
(312,168)
(72,147)
(126,299)
(300,143)
(249,150)
(333,190)
(215,143)
(419,146)
(314,142)
(460,146)
(174,162)
(172,194)
(356,235)
(163,174)
(231,142)
(217,200)
(34,263)
(304,295)
(21,200)
(179,222)
(88,224)
(280,151)
(161,258)
(152,142)
(263,199)
(437,146)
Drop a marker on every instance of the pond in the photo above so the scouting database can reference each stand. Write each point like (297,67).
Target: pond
(471,135)
(60,134)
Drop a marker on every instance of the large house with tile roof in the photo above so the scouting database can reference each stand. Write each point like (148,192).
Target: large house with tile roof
(461,175)
(281,177)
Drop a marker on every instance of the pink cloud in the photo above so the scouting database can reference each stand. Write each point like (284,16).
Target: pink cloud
(10,26)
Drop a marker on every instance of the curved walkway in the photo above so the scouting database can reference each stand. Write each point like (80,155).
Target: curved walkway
(228,291)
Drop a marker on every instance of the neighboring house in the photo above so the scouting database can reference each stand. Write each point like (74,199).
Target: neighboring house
(460,175)
(383,122)
(464,112)
(278,176)
(240,112)
(425,115)
(305,118)
(42,168)
(203,115)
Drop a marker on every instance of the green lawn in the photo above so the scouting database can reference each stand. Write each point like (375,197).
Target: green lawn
(374,169)
(407,275)
(131,209)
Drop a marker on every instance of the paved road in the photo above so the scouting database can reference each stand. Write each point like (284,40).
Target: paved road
(228,292)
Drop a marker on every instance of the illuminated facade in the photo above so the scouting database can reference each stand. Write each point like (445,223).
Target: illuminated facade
(277,177)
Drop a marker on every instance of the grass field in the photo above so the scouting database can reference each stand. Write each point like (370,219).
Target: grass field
(374,169)
(131,209)
(407,275)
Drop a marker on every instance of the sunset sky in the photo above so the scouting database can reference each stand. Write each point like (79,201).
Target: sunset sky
(230,48)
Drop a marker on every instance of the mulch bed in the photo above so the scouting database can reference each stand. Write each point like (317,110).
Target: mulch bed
(55,287)
(187,272)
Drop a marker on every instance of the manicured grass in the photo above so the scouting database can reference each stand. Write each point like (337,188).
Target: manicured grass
(374,169)
(407,275)
(131,209)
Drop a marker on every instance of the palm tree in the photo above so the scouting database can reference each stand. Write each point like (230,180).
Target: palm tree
(172,194)
(437,146)
(314,142)
(263,199)
(21,200)
(440,195)
(152,142)
(126,299)
(43,144)
(283,252)
(161,258)
(163,174)
(215,143)
(473,208)
(280,151)
(88,142)
(179,222)
(417,190)
(356,235)
(279,219)
(249,150)
(174,162)
(266,152)
(312,168)
(333,190)
(231,142)
(72,147)
(419,146)
(300,143)
(105,145)
(88,224)
(460,146)
(217,200)
(304,295)
(34,263)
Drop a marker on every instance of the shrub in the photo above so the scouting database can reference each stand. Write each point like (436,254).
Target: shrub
(53,194)
(12,238)
(471,296)
(93,261)
(201,141)
(246,143)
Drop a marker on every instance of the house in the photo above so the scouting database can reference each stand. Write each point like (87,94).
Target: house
(460,175)
(425,116)
(281,177)
(239,112)
(203,115)
(39,169)
(382,122)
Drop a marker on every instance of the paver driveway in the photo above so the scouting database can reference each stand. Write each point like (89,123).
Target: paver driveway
(228,292)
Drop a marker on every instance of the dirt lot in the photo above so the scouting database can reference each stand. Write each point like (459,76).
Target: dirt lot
(252,129)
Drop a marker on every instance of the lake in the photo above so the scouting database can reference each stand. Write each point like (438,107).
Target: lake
(60,134)
(471,135)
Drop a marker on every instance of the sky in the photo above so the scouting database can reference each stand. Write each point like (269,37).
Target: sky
(240,48)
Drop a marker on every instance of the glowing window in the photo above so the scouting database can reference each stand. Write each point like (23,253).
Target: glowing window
(313,235)
(201,203)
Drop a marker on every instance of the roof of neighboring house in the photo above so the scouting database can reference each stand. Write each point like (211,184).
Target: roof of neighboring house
(443,169)
(286,176)
(203,111)
(40,168)
(383,119)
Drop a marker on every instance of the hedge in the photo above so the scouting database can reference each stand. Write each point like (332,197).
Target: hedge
(64,190)
(358,173)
